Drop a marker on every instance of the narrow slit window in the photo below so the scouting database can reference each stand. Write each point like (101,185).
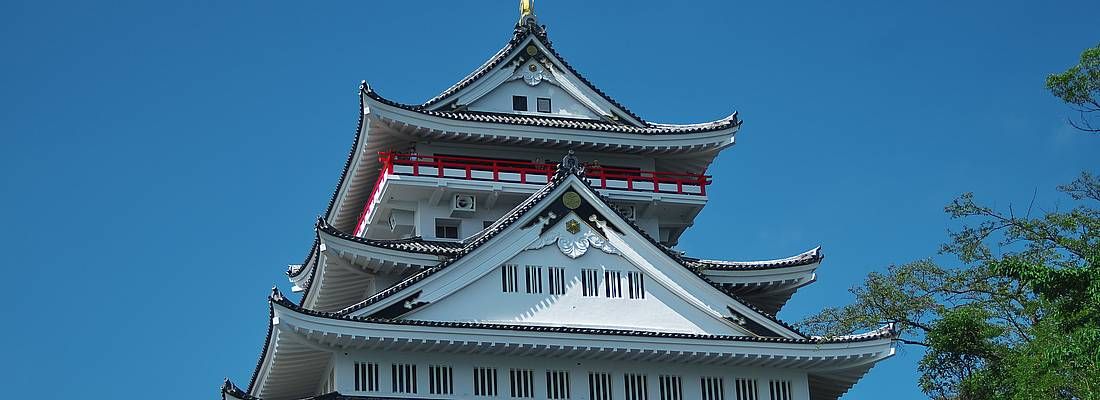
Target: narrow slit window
(534,279)
(590,282)
(599,386)
(712,388)
(745,388)
(509,281)
(557,385)
(522,383)
(636,282)
(485,382)
(780,389)
(366,377)
(613,283)
(635,387)
(403,378)
(556,280)
(672,387)
(519,103)
(543,105)
(440,379)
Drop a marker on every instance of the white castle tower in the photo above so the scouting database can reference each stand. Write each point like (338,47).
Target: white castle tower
(511,238)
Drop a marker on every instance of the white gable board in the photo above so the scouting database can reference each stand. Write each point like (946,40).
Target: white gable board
(621,296)
(689,296)
(562,104)
(531,69)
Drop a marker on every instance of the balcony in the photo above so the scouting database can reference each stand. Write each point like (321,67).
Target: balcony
(522,172)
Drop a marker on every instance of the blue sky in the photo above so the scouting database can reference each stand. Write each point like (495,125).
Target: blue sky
(163,161)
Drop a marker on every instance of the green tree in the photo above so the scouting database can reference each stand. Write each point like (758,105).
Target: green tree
(1079,86)
(1018,318)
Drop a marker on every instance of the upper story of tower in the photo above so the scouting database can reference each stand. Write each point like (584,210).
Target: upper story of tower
(445,169)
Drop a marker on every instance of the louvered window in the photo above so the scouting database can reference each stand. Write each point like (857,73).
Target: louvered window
(746,389)
(712,388)
(485,382)
(612,281)
(522,383)
(403,378)
(780,390)
(672,387)
(635,387)
(440,379)
(557,385)
(599,385)
(366,377)
(534,279)
(636,281)
(556,278)
(509,282)
(590,282)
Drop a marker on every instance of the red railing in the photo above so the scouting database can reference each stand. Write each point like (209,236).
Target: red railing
(486,169)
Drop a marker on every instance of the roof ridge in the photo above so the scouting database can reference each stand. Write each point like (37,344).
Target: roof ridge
(805,258)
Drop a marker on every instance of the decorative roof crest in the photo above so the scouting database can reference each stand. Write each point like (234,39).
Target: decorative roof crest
(526,10)
(570,165)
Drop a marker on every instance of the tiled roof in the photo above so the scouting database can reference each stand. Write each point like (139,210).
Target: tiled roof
(882,333)
(520,34)
(565,123)
(519,211)
(806,258)
(412,245)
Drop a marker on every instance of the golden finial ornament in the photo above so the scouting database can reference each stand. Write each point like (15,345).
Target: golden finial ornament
(526,8)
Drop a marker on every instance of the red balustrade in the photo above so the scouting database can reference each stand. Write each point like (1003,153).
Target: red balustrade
(487,169)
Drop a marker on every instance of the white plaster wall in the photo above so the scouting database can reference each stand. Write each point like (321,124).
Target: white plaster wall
(660,310)
(562,104)
(463,365)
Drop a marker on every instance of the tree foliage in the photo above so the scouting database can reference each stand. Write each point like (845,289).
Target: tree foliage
(1018,318)
(1079,86)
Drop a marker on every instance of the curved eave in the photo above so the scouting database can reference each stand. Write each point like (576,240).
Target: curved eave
(359,332)
(767,284)
(347,266)
(548,127)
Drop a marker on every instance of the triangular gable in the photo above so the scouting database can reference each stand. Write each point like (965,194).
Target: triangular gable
(527,227)
(529,66)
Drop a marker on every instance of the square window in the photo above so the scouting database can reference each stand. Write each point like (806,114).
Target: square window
(543,104)
(446,228)
(519,103)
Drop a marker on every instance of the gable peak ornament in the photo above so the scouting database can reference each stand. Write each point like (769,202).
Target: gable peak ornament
(526,10)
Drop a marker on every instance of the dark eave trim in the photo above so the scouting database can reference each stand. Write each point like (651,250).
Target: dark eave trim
(807,258)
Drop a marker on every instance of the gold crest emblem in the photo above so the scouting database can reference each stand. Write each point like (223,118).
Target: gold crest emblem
(572,200)
(573,226)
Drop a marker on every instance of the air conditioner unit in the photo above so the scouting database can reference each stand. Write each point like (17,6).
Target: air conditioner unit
(628,211)
(463,205)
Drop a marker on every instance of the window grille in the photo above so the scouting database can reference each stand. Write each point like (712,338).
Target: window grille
(485,382)
(509,282)
(590,282)
(519,103)
(635,387)
(556,278)
(543,105)
(599,385)
(534,279)
(746,389)
(366,377)
(712,388)
(403,378)
(672,387)
(440,379)
(612,283)
(557,385)
(636,281)
(522,383)
(780,390)
(446,228)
